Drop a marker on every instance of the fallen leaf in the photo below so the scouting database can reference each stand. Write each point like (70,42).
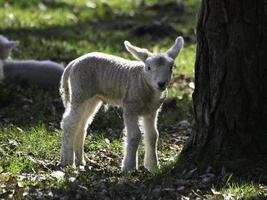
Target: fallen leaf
(58,174)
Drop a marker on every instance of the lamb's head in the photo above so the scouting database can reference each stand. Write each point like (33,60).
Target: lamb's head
(158,67)
(6,47)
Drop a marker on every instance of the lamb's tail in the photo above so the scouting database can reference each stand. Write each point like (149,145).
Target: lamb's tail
(64,85)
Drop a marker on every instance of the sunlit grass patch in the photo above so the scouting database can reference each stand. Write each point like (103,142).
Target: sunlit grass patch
(26,150)
(186,61)
(21,149)
(238,190)
(31,158)
(17,17)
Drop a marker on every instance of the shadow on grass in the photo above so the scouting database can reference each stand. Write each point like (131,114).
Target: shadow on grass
(173,182)
(27,107)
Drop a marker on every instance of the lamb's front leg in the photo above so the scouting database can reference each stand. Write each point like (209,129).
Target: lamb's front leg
(133,137)
(150,141)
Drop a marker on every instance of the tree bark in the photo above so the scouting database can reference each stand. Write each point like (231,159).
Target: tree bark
(230,97)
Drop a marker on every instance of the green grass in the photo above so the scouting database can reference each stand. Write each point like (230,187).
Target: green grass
(241,191)
(238,190)
(66,30)
(21,146)
(31,156)
(186,61)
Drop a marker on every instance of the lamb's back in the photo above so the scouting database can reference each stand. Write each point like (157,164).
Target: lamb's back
(107,75)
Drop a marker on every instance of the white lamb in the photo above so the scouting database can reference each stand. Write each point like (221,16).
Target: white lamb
(138,86)
(45,74)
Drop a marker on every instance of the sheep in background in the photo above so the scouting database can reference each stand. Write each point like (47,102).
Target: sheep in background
(139,87)
(45,74)
(6,47)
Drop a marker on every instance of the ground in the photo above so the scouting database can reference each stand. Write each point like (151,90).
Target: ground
(62,30)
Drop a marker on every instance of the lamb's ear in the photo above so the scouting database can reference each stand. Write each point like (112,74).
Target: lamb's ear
(138,53)
(176,48)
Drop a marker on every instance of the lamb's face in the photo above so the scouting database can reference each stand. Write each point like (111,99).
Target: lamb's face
(158,71)
(6,47)
(158,67)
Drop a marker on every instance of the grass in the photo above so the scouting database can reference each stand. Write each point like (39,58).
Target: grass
(72,29)
(19,146)
(241,191)
(62,30)
(238,190)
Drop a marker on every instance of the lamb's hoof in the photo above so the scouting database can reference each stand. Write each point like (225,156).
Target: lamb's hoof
(126,169)
(81,162)
(65,162)
(152,168)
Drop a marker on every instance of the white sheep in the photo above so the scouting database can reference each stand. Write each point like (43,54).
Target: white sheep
(45,73)
(138,86)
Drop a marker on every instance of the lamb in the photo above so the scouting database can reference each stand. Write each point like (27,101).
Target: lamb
(45,74)
(139,87)
(6,47)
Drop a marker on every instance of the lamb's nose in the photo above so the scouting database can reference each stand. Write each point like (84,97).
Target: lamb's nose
(162,85)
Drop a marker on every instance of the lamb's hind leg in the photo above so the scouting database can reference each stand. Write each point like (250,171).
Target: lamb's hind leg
(70,124)
(133,137)
(92,106)
(150,141)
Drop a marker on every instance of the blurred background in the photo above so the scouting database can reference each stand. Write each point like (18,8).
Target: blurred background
(62,30)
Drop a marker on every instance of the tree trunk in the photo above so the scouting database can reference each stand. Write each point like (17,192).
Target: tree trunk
(230,97)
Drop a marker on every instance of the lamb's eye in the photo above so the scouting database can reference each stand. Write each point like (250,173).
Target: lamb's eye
(171,68)
(148,68)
